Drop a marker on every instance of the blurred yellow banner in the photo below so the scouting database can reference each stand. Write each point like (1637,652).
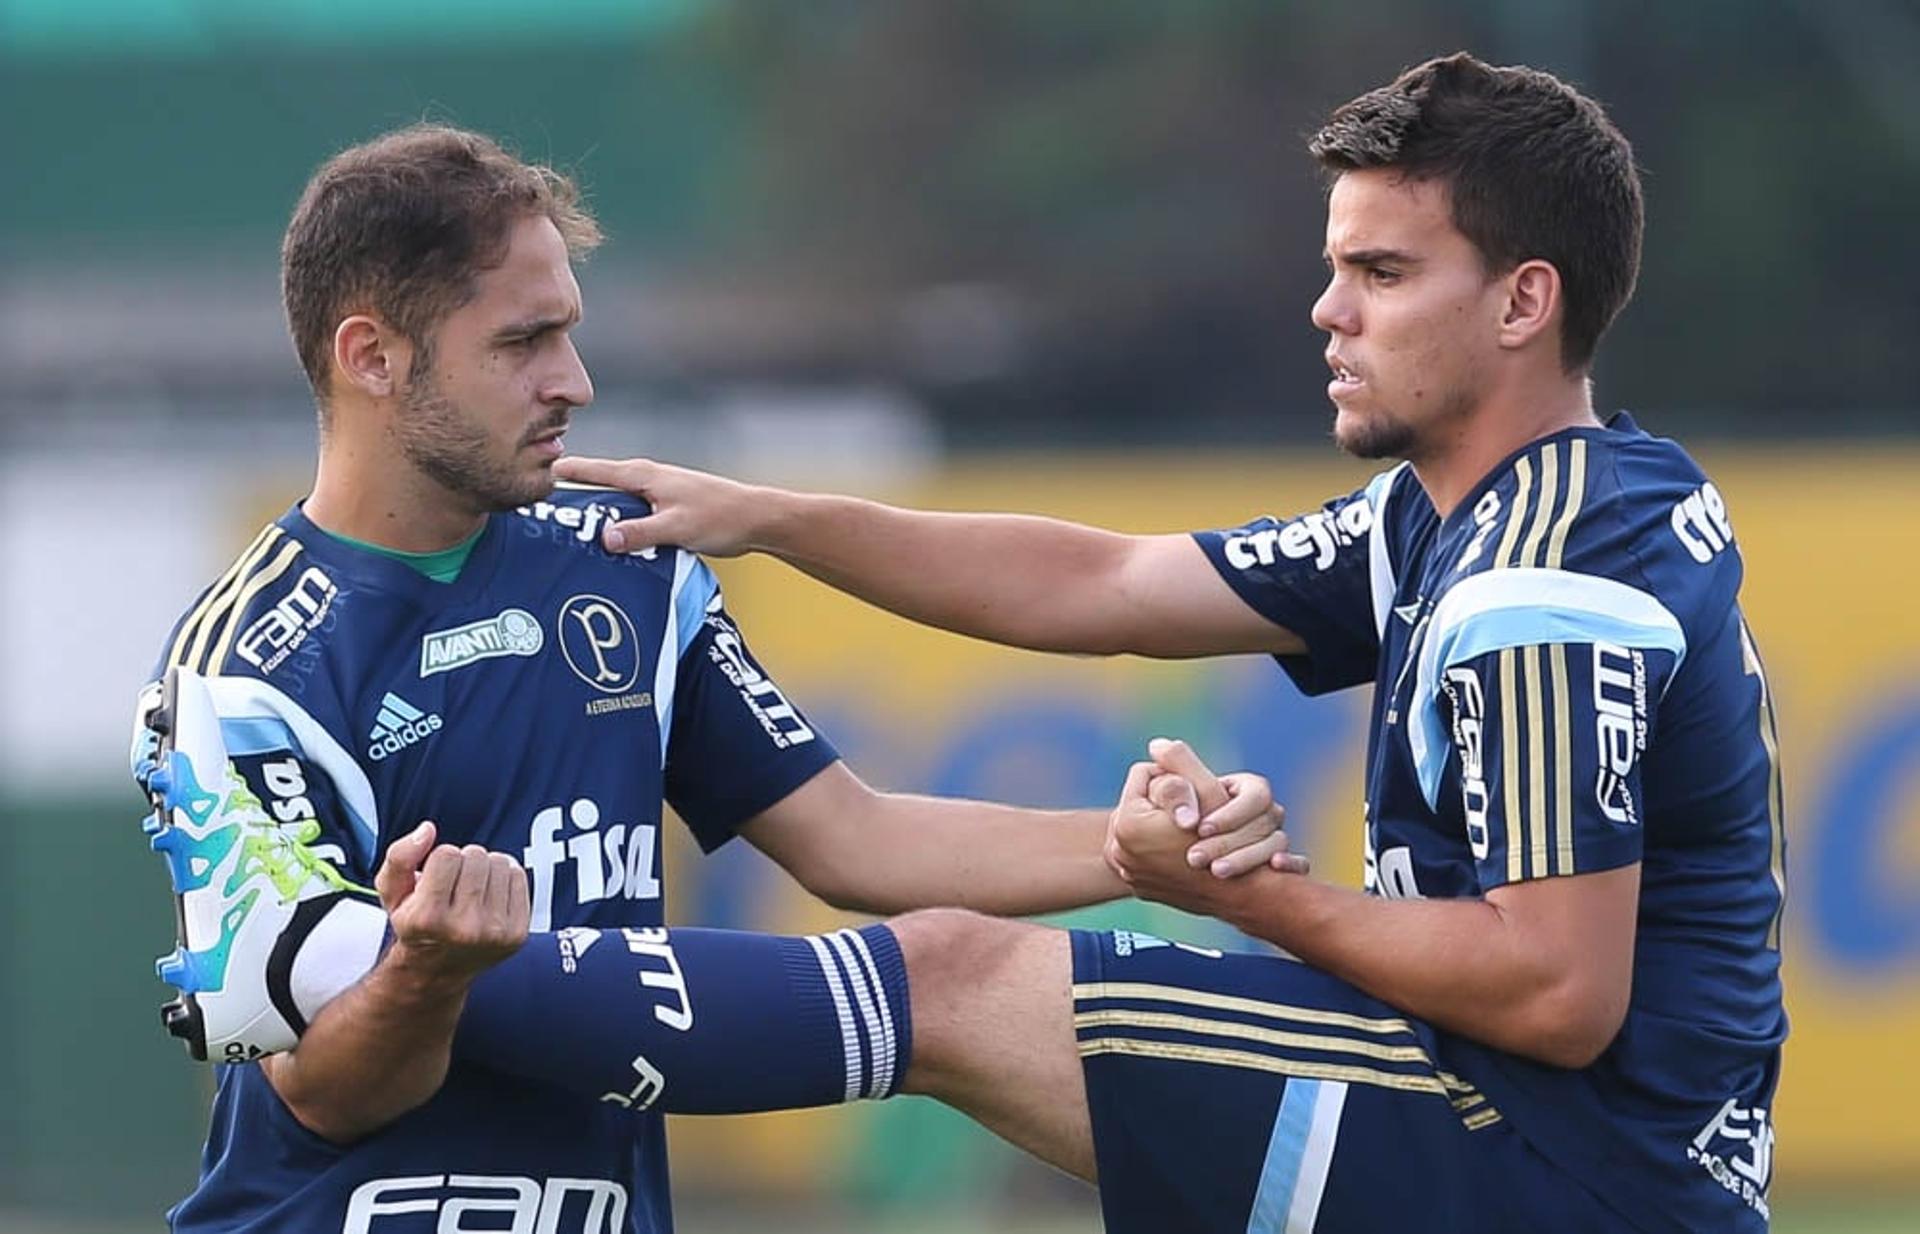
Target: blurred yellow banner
(1826,534)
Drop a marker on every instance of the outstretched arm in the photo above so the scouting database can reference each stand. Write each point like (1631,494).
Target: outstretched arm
(1027,581)
(879,852)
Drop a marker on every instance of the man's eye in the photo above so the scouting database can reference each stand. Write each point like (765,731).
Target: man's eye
(1380,274)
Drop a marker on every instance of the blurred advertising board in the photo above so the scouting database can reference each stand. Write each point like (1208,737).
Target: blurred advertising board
(1827,532)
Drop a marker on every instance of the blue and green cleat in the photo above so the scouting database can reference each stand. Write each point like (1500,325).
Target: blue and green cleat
(249,892)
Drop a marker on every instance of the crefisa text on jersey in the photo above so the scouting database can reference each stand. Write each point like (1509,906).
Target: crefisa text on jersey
(618,860)
(578,524)
(1319,535)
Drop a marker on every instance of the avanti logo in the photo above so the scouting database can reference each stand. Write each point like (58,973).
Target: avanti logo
(511,632)
(399,725)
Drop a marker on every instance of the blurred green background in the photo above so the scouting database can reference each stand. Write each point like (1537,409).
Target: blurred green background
(851,242)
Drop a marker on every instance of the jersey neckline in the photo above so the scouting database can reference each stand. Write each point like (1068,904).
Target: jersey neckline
(1620,422)
(373,567)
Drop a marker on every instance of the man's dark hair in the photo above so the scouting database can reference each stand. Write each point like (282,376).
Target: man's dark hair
(401,226)
(1534,170)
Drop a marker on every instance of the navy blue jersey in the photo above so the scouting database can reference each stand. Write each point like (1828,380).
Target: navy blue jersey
(543,704)
(1565,684)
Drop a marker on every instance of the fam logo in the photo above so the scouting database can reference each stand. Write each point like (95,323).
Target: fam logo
(1469,704)
(784,725)
(600,644)
(558,1205)
(278,632)
(1620,725)
(511,632)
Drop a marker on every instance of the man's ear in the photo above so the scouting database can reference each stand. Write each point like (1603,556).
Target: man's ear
(371,356)
(1534,304)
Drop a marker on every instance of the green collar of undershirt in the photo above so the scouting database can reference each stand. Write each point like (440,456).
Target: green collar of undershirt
(442,565)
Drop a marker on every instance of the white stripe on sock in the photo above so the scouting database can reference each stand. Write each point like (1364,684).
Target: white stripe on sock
(849,1037)
(863,997)
(889,1060)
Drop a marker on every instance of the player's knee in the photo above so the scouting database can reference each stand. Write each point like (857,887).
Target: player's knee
(942,946)
(951,956)
(959,964)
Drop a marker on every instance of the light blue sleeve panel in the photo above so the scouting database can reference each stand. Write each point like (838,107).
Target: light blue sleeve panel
(696,592)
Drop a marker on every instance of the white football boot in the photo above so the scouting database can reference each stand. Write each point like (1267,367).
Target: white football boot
(269,931)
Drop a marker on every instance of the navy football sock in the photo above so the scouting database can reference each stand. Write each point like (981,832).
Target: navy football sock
(694,1021)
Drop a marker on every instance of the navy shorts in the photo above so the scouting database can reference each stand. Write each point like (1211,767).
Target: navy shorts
(1251,1093)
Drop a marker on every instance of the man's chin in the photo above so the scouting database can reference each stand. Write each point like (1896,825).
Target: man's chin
(535,484)
(538,487)
(1371,437)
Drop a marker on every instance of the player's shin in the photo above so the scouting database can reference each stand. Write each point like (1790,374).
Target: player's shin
(694,1021)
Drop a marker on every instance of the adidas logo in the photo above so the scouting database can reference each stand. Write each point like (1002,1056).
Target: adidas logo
(399,725)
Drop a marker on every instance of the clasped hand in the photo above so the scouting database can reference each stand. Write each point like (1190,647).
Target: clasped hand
(1179,831)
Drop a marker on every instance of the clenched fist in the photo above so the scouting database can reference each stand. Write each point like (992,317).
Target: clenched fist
(455,911)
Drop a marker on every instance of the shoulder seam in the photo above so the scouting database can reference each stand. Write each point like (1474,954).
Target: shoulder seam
(1645,580)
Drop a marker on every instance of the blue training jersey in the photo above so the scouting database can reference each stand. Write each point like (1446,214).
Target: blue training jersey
(542,704)
(1564,684)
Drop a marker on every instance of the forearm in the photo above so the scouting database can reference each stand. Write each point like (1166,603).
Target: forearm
(1008,578)
(921,852)
(379,1050)
(1458,964)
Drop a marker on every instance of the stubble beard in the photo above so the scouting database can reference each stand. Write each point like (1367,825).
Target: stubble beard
(1384,435)
(1377,436)
(453,451)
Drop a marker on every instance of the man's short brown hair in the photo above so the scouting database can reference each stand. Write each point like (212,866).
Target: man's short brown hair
(401,226)
(1534,169)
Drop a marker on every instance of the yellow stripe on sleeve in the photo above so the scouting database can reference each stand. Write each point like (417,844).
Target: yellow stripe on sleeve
(1576,494)
(1523,472)
(1537,819)
(1543,509)
(213,604)
(1510,767)
(254,586)
(1562,764)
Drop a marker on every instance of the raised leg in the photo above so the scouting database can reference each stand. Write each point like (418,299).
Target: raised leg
(993,1030)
